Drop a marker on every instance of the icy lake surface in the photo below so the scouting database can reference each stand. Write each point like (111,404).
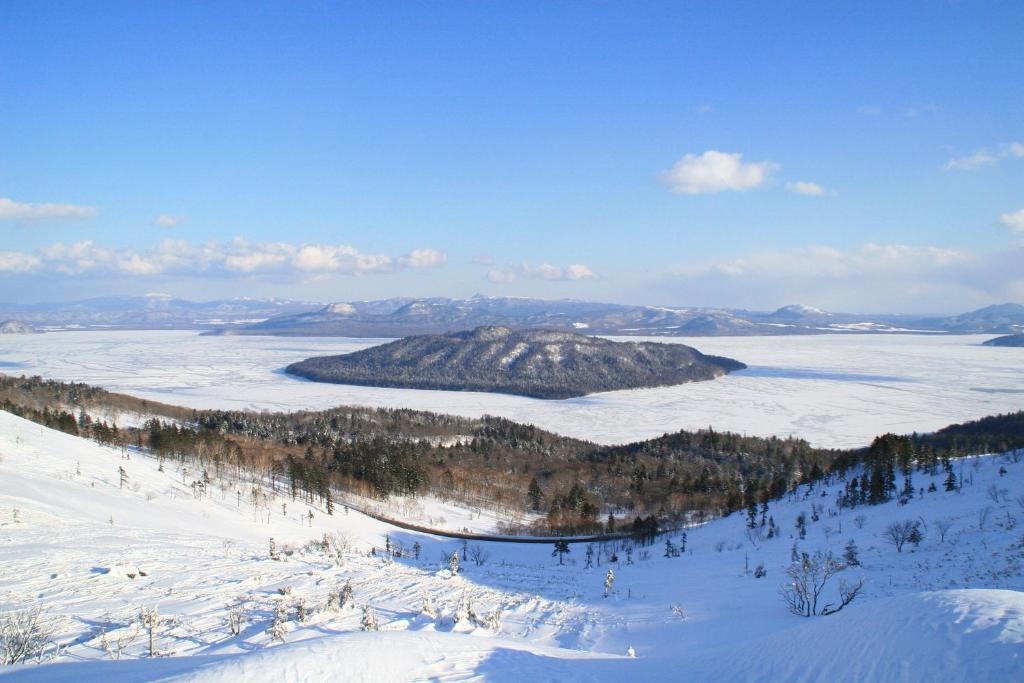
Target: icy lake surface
(834,390)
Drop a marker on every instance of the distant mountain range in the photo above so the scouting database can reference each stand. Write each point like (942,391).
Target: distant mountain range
(154,311)
(400,317)
(549,364)
(403,317)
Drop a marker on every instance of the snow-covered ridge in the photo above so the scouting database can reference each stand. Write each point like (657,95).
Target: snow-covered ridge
(77,541)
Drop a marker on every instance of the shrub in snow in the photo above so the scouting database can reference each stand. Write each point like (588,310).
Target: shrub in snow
(463,612)
(238,615)
(428,609)
(760,572)
(492,620)
(677,610)
(24,635)
(808,578)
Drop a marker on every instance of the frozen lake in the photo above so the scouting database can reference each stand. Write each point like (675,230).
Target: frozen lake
(834,390)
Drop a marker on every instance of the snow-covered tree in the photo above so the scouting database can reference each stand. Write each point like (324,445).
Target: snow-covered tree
(453,563)
(369,619)
(150,620)
(609,581)
(278,630)
(345,595)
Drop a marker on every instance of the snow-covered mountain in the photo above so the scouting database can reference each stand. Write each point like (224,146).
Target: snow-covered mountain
(93,535)
(151,311)
(403,316)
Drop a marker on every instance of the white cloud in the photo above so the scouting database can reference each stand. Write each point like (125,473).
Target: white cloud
(1014,220)
(579,271)
(806,188)
(11,210)
(236,257)
(424,258)
(869,110)
(715,171)
(167,220)
(543,271)
(18,262)
(1014,149)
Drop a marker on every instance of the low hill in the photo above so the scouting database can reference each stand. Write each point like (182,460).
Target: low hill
(1007,340)
(541,363)
(15,327)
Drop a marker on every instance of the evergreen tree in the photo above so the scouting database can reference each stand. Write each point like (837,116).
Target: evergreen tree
(535,495)
(561,548)
(850,554)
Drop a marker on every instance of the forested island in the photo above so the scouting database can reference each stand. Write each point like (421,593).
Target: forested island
(549,364)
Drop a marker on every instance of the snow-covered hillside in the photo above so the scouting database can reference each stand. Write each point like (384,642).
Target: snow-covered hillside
(92,547)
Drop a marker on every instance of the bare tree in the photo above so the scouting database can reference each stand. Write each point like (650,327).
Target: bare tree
(479,554)
(859,520)
(943,526)
(150,620)
(983,515)
(899,533)
(24,634)
(808,578)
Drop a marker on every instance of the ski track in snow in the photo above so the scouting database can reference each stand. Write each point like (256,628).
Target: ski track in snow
(945,611)
(834,390)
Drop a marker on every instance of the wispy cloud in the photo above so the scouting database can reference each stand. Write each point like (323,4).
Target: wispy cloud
(11,210)
(237,257)
(715,171)
(983,158)
(543,271)
(807,188)
(971,162)
(167,220)
(873,277)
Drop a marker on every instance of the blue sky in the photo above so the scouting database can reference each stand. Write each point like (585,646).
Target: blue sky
(857,156)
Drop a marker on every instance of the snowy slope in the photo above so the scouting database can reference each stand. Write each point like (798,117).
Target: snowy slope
(947,610)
